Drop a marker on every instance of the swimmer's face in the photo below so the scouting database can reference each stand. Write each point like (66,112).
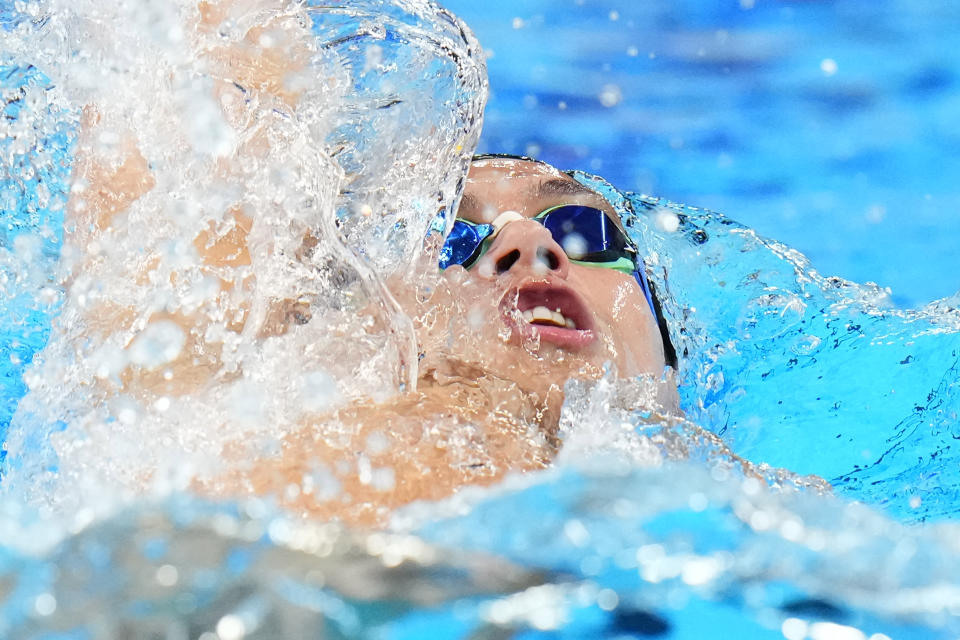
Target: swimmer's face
(524,268)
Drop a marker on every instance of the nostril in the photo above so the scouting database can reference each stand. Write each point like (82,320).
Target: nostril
(507,261)
(548,257)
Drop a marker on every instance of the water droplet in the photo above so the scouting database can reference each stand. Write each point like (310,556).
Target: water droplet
(575,245)
(610,95)
(697,501)
(667,221)
(794,629)
(45,604)
(231,627)
(876,213)
(167,575)
(608,599)
(158,344)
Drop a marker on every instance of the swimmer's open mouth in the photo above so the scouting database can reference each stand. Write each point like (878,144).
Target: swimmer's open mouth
(554,312)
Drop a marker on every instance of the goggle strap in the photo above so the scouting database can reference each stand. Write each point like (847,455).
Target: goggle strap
(641,278)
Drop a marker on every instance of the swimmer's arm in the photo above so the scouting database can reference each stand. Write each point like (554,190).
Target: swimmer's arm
(265,64)
(110,177)
(380,456)
(111,174)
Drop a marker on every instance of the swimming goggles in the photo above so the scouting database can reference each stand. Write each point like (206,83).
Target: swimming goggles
(587,235)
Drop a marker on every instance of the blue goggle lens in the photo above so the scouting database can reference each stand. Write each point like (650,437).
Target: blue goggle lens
(463,242)
(586,234)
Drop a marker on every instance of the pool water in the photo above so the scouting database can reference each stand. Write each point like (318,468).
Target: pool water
(796,370)
(827,124)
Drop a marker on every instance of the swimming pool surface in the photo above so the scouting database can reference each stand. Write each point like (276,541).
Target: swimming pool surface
(826,125)
(829,125)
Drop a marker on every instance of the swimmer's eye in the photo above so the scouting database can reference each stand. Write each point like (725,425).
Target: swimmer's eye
(465,244)
(587,235)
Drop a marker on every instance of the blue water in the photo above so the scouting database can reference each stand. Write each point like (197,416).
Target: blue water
(727,107)
(33,192)
(790,366)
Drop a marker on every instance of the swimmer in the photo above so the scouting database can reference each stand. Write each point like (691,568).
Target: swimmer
(540,284)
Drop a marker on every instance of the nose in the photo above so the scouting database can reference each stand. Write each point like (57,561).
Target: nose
(526,244)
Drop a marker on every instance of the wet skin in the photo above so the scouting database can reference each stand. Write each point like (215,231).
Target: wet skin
(490,388)
(524,267)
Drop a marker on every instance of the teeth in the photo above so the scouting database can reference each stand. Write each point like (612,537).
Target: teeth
(543,315)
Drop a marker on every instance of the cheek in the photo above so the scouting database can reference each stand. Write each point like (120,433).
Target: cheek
(468,308)
(459,320)
(627,303)
(628,327)
(613,296)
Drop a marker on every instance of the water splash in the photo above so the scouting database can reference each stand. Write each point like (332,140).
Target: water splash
(36,138)
(810,373)
(240,148)
(282,246)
